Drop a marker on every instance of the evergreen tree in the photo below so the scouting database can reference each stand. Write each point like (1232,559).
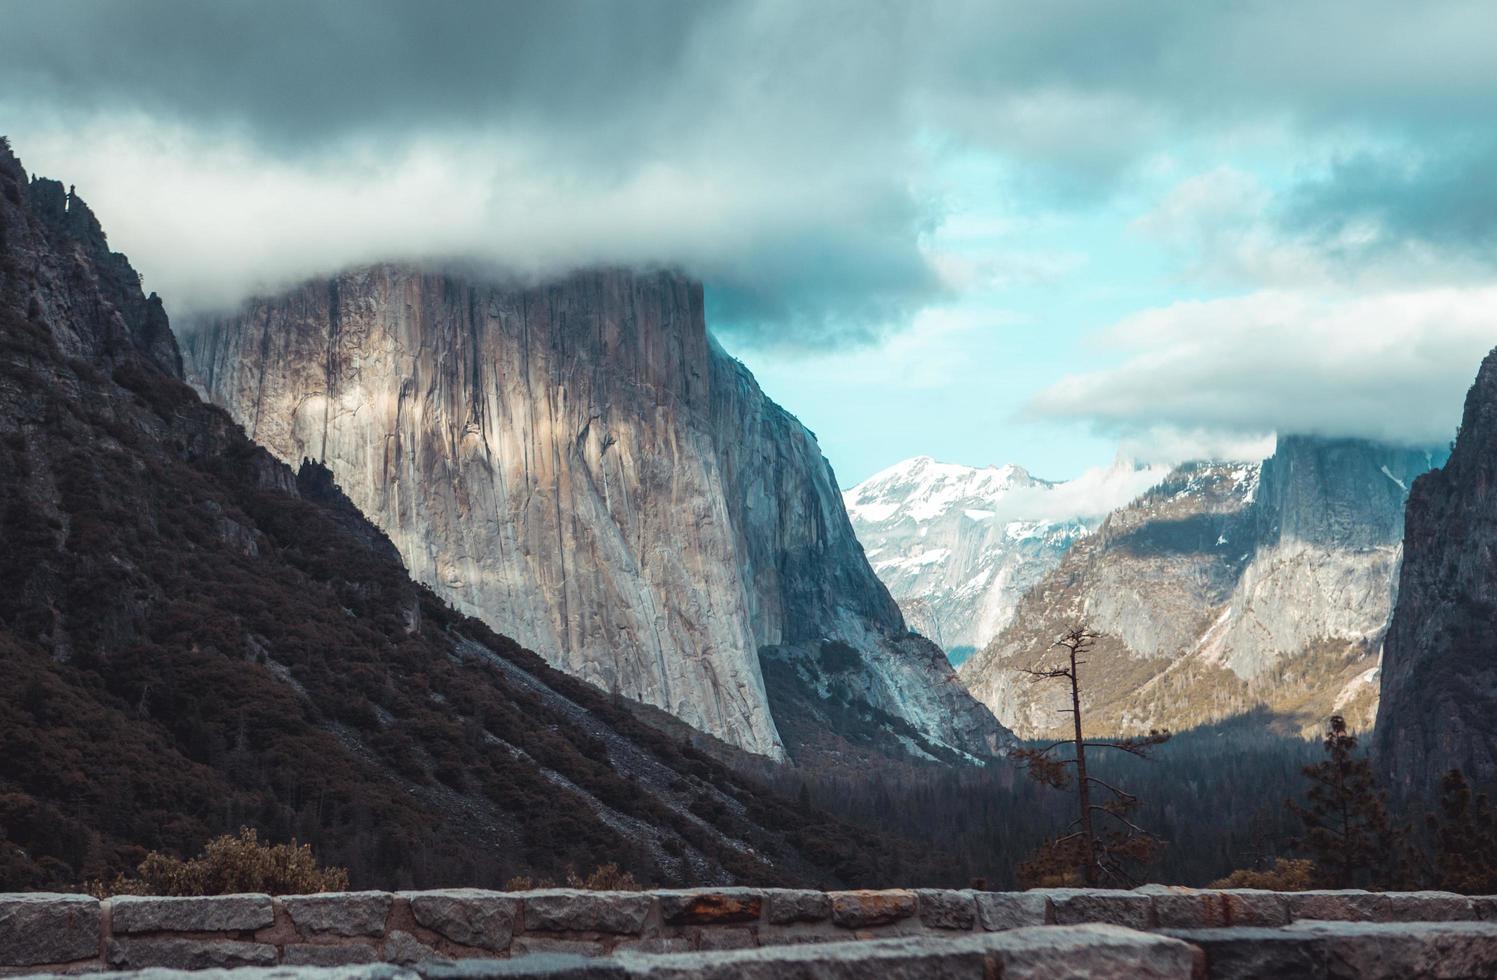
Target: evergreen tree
(1347,830)
(1465,839)
(1090,853)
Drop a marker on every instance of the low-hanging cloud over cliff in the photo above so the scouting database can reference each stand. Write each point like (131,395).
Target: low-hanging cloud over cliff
(782,151)
(1393,367)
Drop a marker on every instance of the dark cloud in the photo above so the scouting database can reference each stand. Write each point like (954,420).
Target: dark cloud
(1372,203)
(778,148)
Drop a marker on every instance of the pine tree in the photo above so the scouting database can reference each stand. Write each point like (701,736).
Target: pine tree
(1086,854)
(1465,839)
(1348,832)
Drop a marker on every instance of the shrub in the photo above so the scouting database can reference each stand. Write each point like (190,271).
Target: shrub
(604,878)
(1287,875)
(230,864)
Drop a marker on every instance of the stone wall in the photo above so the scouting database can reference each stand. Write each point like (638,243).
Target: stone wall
(41,933)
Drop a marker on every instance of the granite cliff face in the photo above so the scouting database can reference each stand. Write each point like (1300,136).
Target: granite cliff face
(581,466)
(1439,682)
(1227,588)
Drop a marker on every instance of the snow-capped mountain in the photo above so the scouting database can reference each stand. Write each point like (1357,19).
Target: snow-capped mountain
(958,546)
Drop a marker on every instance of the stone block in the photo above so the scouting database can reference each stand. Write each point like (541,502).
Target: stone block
(1079,906)
(710,906)
(541,966)
(48,928)
(730,938)
(321,954)
(944,909)
(788,905)
(535,945)
(1399,950)
(1191,909)
(1250,953)
(572,910)
(340,913)
(1012,910)
(404,948)
(468,916)
(1338,906)
(1429,906)
(656,944)
(1046,952)
(217,913)
(886,959)
(135,953)
(861,909)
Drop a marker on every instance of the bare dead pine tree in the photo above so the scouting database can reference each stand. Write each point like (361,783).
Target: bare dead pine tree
(1086,854)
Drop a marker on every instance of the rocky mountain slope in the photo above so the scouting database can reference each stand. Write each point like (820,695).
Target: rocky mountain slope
(1439,679)
(578,464)
(1227,587)
(194,636)
(958,546)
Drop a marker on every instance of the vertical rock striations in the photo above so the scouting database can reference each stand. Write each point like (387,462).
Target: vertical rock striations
(1439,680)
(578,464)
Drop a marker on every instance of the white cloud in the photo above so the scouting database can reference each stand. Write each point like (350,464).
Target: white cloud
(1392,366)
(1093,494)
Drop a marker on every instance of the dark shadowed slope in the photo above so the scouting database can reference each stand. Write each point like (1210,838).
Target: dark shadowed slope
(193,637)
(1439,681)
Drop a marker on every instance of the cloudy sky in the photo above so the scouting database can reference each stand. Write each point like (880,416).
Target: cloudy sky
(988,232)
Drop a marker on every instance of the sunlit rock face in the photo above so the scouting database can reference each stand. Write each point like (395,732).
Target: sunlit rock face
(1228,588)
(1439,682)
(576,463)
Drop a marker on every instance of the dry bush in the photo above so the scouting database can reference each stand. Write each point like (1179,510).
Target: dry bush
(1287,875)
(604,878)
(228,865)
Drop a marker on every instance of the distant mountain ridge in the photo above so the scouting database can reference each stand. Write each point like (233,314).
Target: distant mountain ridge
(958,546)
(1228,587)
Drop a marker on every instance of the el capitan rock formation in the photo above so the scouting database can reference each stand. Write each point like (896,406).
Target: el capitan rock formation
(580,465)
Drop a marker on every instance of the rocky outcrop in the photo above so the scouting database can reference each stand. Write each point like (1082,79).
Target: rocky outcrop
(1228,588)
(1439,680)
(578,464)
